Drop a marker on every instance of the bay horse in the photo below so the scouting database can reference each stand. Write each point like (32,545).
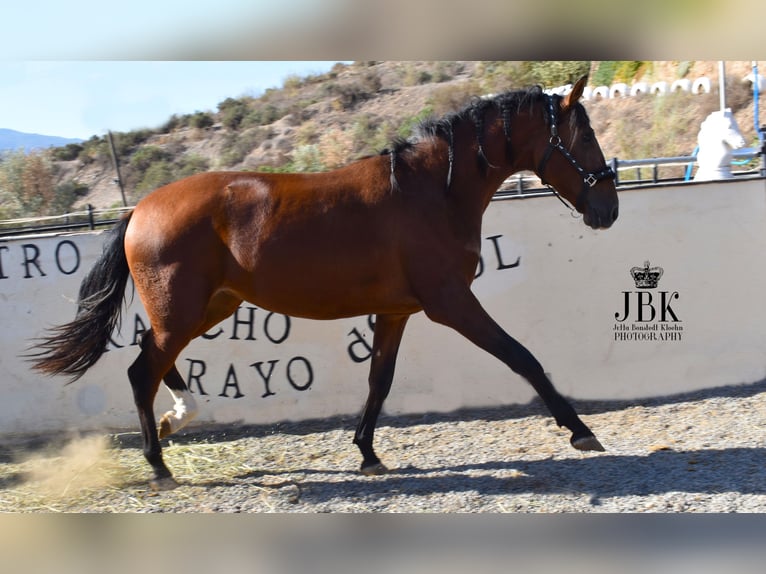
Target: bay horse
(390,235)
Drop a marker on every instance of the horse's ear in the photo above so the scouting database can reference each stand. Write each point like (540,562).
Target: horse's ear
(574,96)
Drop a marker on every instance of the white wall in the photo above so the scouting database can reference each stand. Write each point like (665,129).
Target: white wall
(560,301)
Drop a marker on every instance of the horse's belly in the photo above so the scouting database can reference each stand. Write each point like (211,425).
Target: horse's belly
(328,288)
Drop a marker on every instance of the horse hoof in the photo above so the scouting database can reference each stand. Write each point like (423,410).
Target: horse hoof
(160,484)
(587,443)
(165,428)
(374,469)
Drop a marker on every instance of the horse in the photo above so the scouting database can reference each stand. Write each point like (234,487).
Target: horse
(719,134)
(391,234)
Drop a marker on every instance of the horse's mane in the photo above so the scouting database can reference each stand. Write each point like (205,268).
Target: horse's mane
(508,103)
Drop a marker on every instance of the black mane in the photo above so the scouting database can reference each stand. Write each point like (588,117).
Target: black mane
(508,103)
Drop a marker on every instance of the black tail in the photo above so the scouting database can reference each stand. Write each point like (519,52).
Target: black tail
(73,348)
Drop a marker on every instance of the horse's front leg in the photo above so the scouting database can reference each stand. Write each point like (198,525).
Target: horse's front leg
(385,346)
(454,305)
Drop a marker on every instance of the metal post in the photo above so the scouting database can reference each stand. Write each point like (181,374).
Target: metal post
(117,168)
(722,84)
(762,133)
(616,173)
(756,98)
(91,221)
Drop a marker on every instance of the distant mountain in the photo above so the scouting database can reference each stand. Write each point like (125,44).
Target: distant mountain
(12,140)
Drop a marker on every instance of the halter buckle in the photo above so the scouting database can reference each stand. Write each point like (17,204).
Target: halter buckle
(591,180)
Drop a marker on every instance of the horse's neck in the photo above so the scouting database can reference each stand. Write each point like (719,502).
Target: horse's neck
(480,158)
(480,164)
(472,188)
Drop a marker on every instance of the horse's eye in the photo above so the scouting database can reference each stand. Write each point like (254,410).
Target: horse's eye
(587,137)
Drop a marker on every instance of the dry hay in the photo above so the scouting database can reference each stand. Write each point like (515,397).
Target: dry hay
(97,473)
(50,479)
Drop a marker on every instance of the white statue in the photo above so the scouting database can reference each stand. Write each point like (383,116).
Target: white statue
(718,136)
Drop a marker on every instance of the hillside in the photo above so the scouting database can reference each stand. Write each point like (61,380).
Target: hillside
(321,122)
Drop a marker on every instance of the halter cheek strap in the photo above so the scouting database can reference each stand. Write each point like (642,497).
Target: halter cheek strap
(590,179)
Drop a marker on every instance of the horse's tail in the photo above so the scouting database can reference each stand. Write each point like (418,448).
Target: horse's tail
(73,348)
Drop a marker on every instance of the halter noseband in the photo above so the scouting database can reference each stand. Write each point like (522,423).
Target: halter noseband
(589,179)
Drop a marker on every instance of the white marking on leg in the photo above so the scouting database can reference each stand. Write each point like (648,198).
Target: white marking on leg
(184,410)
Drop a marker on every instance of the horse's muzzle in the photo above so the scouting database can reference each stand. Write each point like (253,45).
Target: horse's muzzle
(601,216)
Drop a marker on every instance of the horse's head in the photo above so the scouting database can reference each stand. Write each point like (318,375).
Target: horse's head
(571,160)
(720,127)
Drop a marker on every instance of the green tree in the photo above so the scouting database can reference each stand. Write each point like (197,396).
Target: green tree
(27,180)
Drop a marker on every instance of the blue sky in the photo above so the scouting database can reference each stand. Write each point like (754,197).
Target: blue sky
(79,99)
(81,67)
(75,68)
(142,29)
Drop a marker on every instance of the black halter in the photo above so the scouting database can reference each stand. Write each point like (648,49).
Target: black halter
(588,179)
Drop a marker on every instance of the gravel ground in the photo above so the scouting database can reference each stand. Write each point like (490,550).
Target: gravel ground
(698,452)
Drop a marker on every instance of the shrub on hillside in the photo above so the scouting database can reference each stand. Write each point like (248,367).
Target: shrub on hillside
(232,112)
(627,71)
(335,147)
(237,146)
(96,149)
(65,194)
(145,156)
(496,77)
(201,120)
(261,114)
(158,174)
(126,142)
(449,98)
(173,123)
(68,152)
(408,125)
(552,73)
(191,164)
(348,94)
(306,158)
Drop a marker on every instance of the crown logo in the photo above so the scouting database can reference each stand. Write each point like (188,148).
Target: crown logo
(646,277)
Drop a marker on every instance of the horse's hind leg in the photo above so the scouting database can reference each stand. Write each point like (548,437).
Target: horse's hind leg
(458,308)
(385,345)
(184,407)
(145,374)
